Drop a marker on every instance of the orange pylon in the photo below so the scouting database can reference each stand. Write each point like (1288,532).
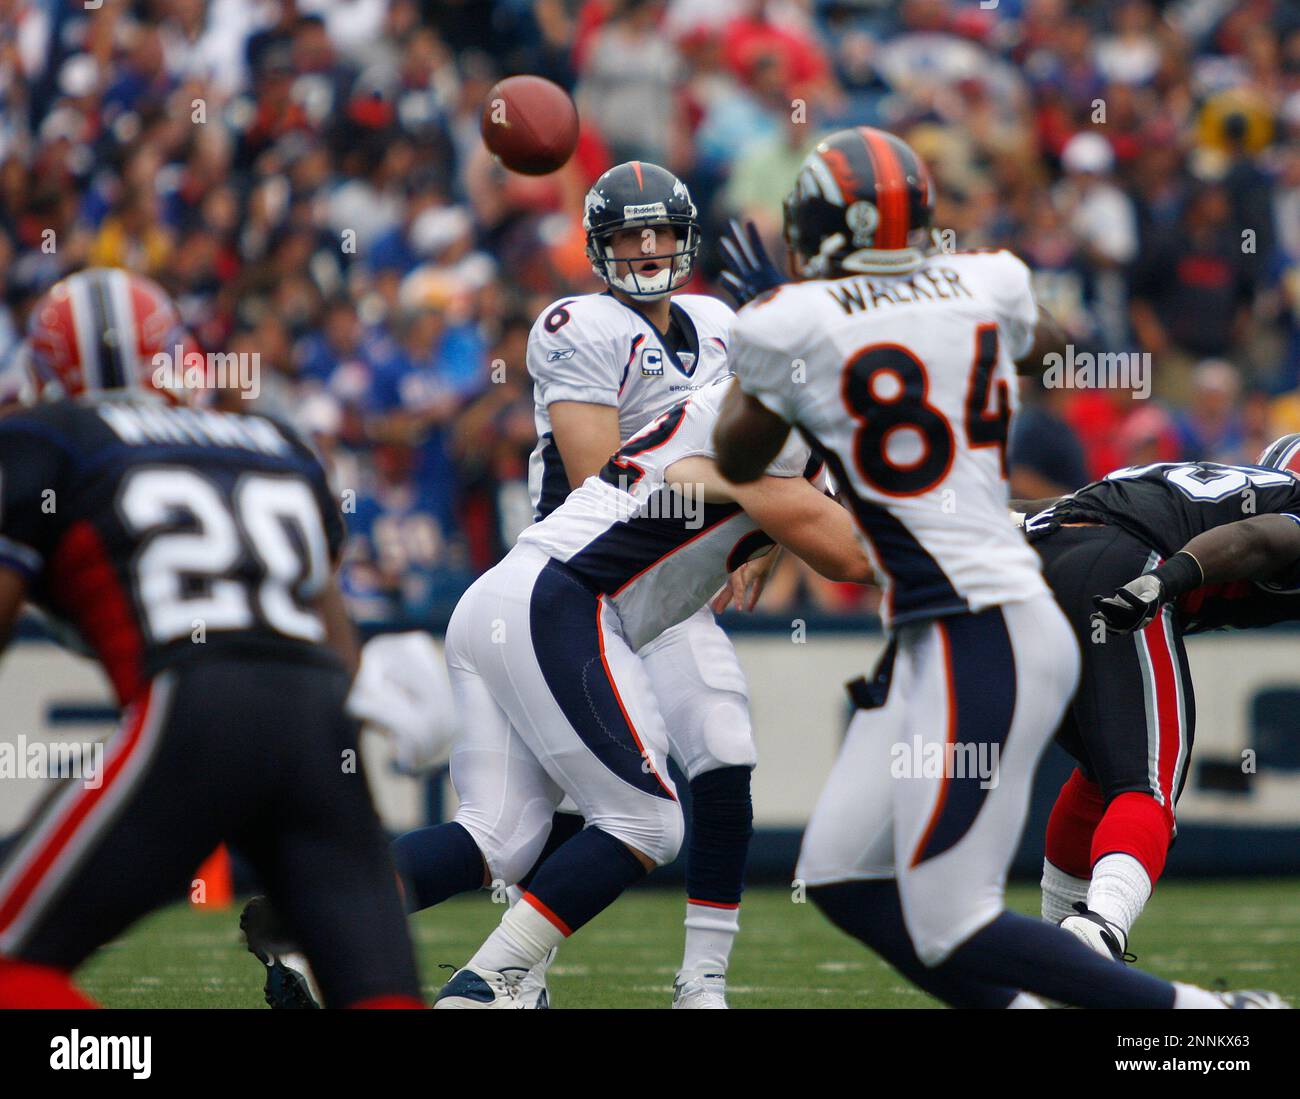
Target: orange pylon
(216,890)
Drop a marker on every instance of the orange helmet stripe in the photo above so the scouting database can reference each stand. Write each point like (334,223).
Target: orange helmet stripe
(891,190)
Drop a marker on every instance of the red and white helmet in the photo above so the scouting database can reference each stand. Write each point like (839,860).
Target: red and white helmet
(101,329)
(1282,453)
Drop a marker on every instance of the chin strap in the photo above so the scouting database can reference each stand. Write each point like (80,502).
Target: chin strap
(675,281)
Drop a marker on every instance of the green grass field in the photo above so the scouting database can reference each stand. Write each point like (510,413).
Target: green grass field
(1218,934)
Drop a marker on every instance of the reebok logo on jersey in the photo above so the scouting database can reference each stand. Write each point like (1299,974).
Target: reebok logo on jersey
(561,353)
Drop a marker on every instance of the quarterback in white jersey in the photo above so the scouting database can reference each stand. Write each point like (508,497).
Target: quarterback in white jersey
(555,701)
(896,363)
(597,350)
(603,366)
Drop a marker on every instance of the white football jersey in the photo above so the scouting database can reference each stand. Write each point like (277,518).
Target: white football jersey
(655,551)
(595,349)
(905,384)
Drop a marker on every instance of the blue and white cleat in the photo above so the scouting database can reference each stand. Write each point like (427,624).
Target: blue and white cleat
(475,989)
(1254,999)
(532,989)
(696,991)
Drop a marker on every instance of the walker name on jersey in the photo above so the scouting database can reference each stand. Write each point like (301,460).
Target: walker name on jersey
(864,294)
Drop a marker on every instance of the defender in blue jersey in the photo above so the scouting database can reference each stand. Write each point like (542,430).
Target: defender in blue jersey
(192,554)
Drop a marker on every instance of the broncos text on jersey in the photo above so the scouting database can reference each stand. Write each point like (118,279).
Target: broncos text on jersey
(906,385)
(596,349)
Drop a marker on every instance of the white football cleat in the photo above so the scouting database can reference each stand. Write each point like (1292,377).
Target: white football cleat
(1106,938)
(532,987)
(483,988)
(1254,998)
(700,991)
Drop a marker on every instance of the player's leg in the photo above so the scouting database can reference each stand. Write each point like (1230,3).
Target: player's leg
(100,854)
(1067,858)
(582,703)
(566,822)
(506,799)
(1133,718)
(1000,679)
(1070,556)
(847,857)
(316,841)
(1141,777)
(701,690)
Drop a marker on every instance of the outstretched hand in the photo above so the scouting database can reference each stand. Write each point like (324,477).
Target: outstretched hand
(1130,608)
(748,270)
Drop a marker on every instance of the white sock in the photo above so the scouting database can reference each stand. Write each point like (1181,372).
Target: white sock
(1120,889)
(1025,1000)
(1060,892)
(710,934)
(1189,996)
(514,894)
(522,939)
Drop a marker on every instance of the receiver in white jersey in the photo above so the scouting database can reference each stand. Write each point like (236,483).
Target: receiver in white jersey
(654,550)
(596,349)
(905,384)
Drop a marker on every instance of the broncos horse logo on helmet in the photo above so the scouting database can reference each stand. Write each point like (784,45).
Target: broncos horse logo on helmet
(637,195)
(101,329)
(862,204)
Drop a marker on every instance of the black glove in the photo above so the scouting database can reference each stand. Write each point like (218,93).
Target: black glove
(1139,601)
(748,270)
(1130,607)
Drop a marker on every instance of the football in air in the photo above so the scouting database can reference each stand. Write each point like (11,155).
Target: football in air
(530,124)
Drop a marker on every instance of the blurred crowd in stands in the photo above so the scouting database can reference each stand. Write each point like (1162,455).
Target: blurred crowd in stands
(306,177)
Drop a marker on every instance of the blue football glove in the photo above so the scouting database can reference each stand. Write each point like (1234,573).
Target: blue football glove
(748,270)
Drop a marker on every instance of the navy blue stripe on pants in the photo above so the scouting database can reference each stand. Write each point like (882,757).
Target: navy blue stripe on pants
(564,619)
(981,678)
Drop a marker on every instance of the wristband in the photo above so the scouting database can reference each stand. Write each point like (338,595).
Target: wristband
(1179,575)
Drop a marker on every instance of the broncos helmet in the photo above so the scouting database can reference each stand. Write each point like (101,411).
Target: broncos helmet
(640,195)
(100,329)
(1283,453)
(861,204)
